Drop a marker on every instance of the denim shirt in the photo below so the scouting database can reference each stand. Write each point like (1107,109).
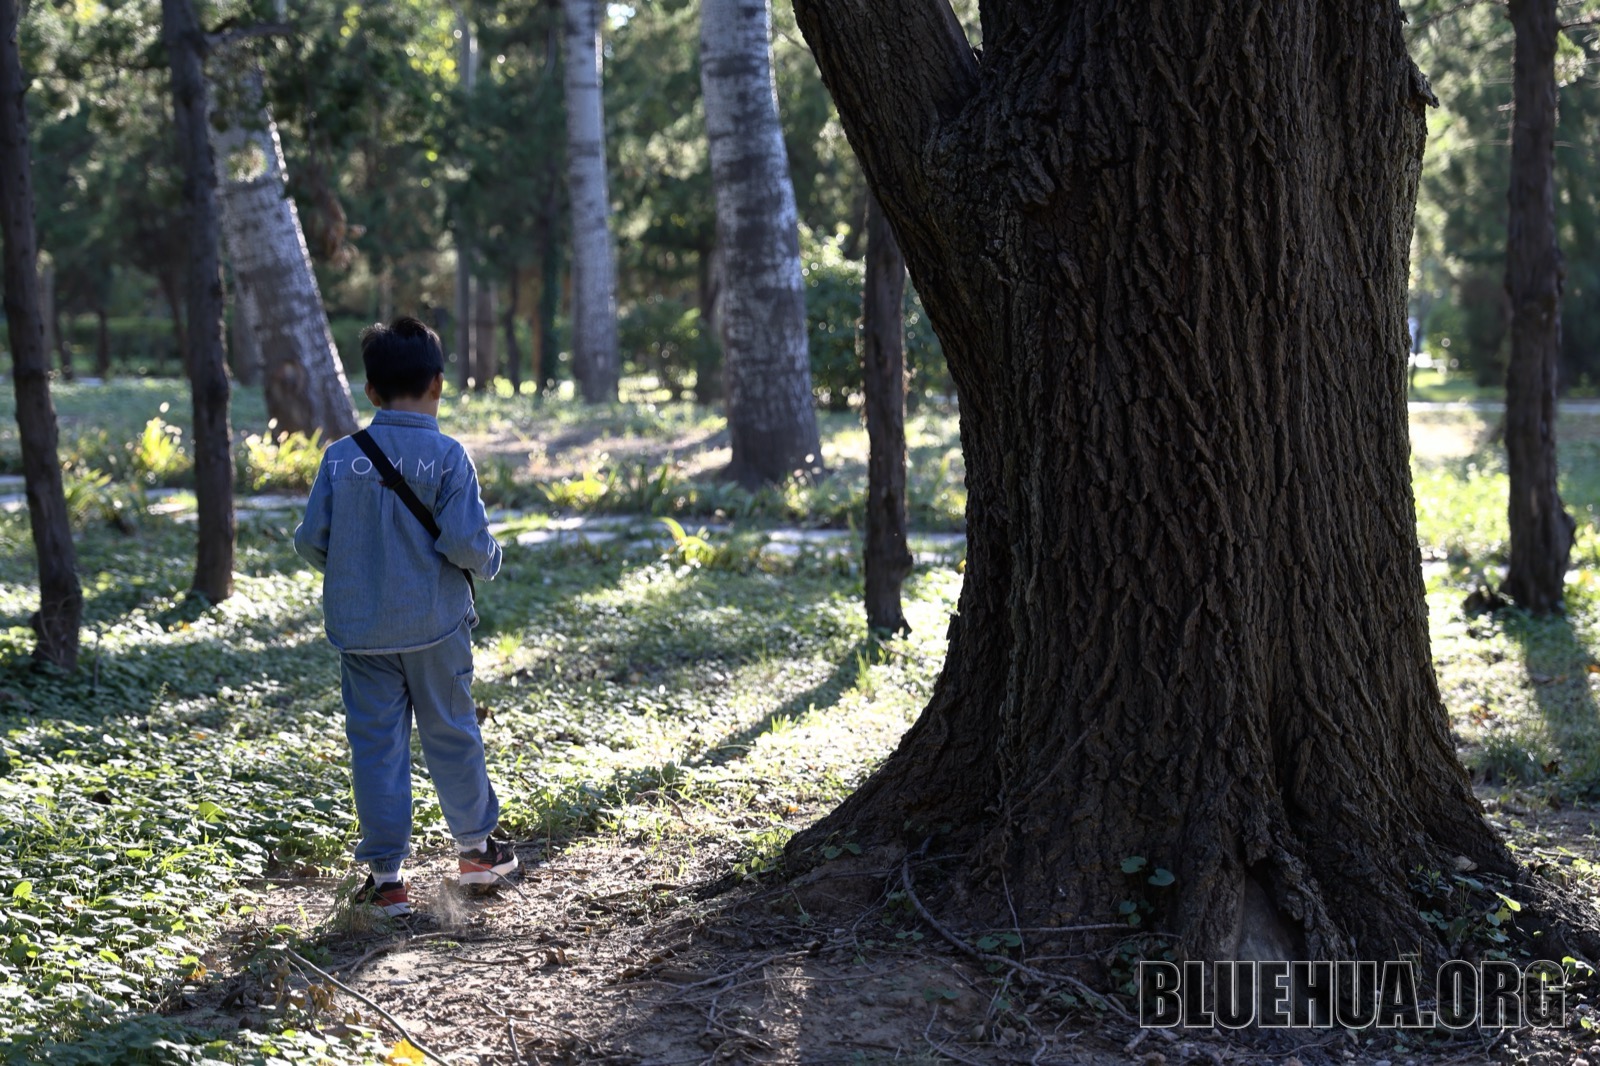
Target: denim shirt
(387,585)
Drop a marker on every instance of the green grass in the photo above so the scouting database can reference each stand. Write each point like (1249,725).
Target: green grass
(1439,386)
(1521,691)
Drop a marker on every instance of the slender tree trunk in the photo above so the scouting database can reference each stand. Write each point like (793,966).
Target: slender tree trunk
(169,282)
(64,349)
(48,316)
(485,364)
(888,559)
(710,368)
(464,252)
(548,368)
(509,322)
(463,311)
(772,418)
(245,350)
(1541,529)
(386,294)
(1166,254)
(274,283)
(102,343)
(208,375)
(60,596)
(595,361)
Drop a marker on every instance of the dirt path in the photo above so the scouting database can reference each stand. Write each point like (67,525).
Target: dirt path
(617,953)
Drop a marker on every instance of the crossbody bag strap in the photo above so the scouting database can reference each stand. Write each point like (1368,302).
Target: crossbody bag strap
(395,482)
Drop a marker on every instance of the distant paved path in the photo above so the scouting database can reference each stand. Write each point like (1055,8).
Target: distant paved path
(1567,407)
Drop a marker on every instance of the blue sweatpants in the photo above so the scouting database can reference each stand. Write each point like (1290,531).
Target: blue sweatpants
(381,694)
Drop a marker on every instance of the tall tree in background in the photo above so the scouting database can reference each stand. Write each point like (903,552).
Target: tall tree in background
(467,63)
(761,311)
(1541,529)
(208,375)
(485,361)
(883,363)
(277,299)
(595,361)
(60,596)
(1192,610)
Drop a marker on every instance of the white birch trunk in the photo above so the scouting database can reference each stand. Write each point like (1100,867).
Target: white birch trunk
(595,361)
(276,288)
(761,314)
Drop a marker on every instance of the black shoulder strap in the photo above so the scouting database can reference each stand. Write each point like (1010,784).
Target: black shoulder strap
(395,482)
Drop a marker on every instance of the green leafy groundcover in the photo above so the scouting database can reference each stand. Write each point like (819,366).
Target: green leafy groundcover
(197,748)
(136,794)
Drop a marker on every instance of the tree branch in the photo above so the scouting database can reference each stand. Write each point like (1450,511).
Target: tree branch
(898,70)
(1447,12)
(223,38)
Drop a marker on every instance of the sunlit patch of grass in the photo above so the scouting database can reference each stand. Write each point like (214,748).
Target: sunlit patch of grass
(1523,692)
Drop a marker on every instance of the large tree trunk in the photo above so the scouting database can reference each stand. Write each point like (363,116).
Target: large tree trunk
(761,309)
(60,596)
(274,283)
(208,375)
(1165,251)
(1541,528)
(883,359)
(595,362)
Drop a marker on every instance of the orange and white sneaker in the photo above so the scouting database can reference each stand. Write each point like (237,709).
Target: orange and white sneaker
(390,897)
(489,864)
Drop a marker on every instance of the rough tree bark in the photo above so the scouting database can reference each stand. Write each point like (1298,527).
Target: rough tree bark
(761,311)
(60,595)
(1541,529)
(883,364)
(274,284)
(208,375)
(1165,252)
(595,361)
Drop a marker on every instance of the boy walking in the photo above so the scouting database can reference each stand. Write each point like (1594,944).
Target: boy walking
(398,604)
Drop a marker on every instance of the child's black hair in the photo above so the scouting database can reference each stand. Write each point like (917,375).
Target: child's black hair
(402,358)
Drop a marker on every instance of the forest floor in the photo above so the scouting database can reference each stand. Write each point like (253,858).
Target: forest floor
(609,953)
(176,817)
